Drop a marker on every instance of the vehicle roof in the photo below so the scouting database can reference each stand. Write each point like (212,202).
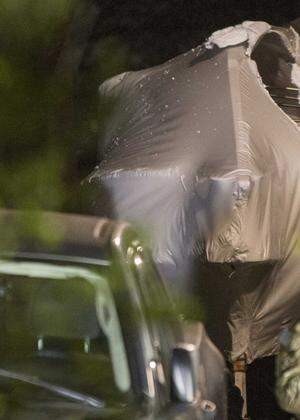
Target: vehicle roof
(84,237)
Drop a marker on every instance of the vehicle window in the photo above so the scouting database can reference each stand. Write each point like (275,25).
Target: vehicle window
(53,316)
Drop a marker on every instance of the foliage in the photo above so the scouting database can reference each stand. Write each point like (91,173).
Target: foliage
(49,116)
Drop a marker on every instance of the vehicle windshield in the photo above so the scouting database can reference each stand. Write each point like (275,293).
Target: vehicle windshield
(59,327)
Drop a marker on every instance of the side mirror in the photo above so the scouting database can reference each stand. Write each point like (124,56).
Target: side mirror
(198,372)
(184,373)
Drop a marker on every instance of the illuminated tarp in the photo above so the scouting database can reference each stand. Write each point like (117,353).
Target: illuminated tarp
(200,154)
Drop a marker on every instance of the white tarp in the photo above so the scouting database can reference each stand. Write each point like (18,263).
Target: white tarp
(199,153)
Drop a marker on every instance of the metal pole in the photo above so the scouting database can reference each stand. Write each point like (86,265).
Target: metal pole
(239,368)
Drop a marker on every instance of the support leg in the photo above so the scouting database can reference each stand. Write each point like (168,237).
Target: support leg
(239,368)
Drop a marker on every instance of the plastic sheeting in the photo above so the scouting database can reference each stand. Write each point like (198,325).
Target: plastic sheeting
(200,154)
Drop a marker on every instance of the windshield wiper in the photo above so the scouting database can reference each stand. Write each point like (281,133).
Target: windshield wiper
(56,389)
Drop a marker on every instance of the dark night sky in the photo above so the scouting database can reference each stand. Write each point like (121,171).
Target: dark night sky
(159,29)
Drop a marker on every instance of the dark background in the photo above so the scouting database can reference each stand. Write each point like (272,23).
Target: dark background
(154,31)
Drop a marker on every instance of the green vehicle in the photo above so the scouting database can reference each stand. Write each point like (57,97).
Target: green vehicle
(89,331)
